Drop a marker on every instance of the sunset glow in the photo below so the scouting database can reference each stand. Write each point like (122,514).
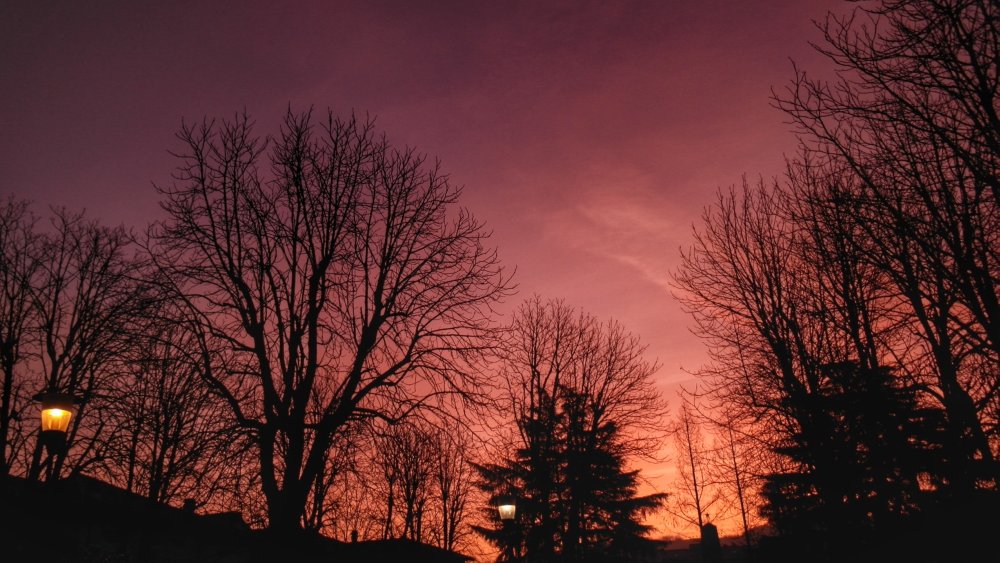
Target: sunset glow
(661,271)
(587,137)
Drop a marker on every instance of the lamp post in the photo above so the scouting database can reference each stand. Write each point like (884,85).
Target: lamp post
(57,410)
(507,510)
(506,507)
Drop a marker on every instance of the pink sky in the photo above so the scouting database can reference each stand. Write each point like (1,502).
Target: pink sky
(589,135)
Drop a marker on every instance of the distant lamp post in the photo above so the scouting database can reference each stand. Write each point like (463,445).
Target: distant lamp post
(506,507)
(57,410)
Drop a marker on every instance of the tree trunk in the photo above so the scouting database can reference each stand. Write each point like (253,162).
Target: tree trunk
(739,489)
(5,413)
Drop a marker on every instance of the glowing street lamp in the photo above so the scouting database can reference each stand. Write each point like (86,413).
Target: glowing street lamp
(57,410)
(507,507)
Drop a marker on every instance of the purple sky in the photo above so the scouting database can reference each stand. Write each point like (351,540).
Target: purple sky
(589,135)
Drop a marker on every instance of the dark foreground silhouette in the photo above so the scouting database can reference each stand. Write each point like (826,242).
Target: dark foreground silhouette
(85,520)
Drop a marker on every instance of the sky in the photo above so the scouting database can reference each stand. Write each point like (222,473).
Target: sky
(588,135)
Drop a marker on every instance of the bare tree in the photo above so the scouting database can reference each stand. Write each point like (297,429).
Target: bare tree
(551,346)
(19,268)
(88,295)
(802,324)
(326,499)
(764,307)
(698,493)
(415,480)
(744,285)
(171,440)
(453,478)
(583,403)
(422,482)
(917,99)
(909,133)
(330,279)
(739,463)
(405,454)
(389,460)
(738,481)
(355,493)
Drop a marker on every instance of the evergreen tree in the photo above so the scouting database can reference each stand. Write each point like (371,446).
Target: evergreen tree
(531,477)
(576,499)
(860,449)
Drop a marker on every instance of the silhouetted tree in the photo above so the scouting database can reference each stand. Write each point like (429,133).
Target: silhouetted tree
(19,268)
(910,132)
(407,480)
(781,303)
(89,299)
(405,455)
(603,510)
(869,424)
(736,467)
(351,496)
(453,478)
(579,504)
(330,281)
(697,493)
(583,404)
(749,293)
(326,505)
(170,438)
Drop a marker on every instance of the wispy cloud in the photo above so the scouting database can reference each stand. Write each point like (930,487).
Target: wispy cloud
(622,224)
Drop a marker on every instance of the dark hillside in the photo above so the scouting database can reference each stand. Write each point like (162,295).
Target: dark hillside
(85,520)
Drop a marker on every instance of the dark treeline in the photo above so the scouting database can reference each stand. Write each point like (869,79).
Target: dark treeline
(851,308)
(308,337)
(290,341)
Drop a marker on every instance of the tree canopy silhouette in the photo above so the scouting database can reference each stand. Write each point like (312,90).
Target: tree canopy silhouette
(850,307)
(329,278)
(584,405)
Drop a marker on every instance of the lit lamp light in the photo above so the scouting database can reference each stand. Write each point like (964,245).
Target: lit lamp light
(55,419)
(57,410)
(506,507)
